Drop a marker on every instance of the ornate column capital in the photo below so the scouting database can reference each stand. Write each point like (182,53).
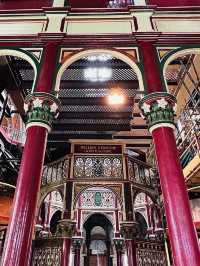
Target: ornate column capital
(158,110)
(77,242)
(129,230)
(119,243)
(41,109)
(66,228)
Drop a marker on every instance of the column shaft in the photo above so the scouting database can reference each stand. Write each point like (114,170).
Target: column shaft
(119,258)
(159,111)
(182,233)
(151,66)
(19,234)
(77,257)
(45,81)
(66,251)
(40,109)
(131,252)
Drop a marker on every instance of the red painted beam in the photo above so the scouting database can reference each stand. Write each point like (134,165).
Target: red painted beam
(24,4)
(174,3)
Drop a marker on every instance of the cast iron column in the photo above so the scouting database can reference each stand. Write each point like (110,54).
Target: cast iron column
(119,245)
(159,110)
(77,243)
(66,228)
(40,107)
(129,232)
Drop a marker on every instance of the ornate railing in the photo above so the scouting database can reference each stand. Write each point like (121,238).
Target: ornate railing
(139,172)
(149,253)
(47,252)
(189,146)
(2,240)
(100,166)
(188,139)
(55,173)
(13,135)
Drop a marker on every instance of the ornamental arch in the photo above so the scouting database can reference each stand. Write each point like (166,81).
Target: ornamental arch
(22,54)
(117,54)
(173,55)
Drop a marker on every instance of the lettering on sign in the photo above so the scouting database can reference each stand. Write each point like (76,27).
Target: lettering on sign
(98,149)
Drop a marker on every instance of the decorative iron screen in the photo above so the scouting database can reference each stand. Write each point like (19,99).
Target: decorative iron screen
(44,256)
(98,167)
(150,254)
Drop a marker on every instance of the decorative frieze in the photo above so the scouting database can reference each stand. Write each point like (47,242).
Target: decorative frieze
(158,109)
(41,109)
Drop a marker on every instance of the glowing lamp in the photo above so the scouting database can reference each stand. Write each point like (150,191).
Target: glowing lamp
(116,97)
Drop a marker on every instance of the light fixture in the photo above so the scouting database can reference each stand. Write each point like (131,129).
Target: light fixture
(116,97)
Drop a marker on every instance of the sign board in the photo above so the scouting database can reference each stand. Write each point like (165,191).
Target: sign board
(97,149)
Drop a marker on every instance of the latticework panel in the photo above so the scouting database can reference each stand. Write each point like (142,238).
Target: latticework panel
(98,167)
(150,254)
(50,256)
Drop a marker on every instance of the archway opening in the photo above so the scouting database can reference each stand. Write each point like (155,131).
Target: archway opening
(98,242)
(54,221)
(86,80)
(50,213)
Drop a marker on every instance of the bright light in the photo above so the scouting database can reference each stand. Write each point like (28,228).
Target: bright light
(97,74)
(99,57)
(116,98)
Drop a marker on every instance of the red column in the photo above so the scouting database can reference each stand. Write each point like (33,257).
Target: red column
(19,235)
(119,258)
(131,252)
(119,245)
(182,233)
(66,251)
(77,256)
(151,66)
(45,81)
(159,110)
(77,243)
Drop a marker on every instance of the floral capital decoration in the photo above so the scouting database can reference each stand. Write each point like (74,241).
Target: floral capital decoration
(159,107)
(41,108)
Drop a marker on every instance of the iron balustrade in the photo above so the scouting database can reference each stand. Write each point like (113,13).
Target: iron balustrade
(188,138)
(139,172)
(98,166)
(55,173)
(47,252)
(2,240)
(150,253)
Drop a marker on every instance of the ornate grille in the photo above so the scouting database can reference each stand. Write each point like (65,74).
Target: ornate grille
(150,254)
(98,167)
(55,173)
(138,172)
(97,198)
(50,256)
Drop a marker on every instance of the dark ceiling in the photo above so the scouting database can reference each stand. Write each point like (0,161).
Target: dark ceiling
(85,113)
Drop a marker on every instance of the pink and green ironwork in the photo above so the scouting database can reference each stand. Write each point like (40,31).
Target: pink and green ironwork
(41,108)
(158,108)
